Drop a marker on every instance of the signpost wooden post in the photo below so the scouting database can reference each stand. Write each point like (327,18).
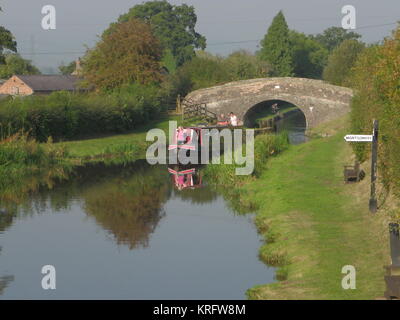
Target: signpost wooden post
(373,203)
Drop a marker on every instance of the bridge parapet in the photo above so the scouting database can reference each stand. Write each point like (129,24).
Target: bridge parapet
(319,101)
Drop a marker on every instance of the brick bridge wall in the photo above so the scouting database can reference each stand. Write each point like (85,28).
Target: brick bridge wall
(319,101)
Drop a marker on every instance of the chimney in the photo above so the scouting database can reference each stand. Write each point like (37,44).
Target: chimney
(78,68)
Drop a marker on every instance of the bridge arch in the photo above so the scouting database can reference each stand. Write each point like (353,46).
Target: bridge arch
(319,101)
(264,108)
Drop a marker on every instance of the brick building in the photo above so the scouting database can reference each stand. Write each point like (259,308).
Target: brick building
(23,85)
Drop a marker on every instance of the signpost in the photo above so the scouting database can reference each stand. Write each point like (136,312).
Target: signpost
(358,138)
(373,203)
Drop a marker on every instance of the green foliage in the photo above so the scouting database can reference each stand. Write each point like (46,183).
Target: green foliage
(242,65)
(309,56)
(332,37)
(168,61)
(341,61)
(265,147)
(22,157)
(64,115)
(67,69)
(19,149)
(129,54)
(376,81)
(15,64)
(6,42)
(276,49)
(223,176)
(207,70)
(173,25)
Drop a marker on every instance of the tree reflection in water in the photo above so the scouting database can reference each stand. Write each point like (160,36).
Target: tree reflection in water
(5,281)
(129,209)
(125,200)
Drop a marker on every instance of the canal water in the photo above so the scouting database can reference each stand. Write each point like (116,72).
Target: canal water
(128,232)
(294,123)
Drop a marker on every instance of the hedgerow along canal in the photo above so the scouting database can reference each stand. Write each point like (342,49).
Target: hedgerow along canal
(126,232)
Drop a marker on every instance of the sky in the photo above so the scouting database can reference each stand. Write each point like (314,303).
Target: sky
(222,22)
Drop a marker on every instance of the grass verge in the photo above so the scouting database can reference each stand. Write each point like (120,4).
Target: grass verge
(313,224)
(131,144)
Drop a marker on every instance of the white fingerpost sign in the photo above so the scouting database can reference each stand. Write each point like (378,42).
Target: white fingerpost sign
(359,138)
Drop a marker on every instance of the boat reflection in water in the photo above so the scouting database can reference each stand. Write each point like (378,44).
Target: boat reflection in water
(185,178)
(392,277)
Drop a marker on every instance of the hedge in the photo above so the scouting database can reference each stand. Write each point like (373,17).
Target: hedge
(64,115)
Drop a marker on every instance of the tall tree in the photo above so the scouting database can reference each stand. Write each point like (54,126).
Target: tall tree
(243,65)
(129,54)
(341,61)
(332,37)
(173,25)
(309,56)
(15,64)
(276,48)
(7,41)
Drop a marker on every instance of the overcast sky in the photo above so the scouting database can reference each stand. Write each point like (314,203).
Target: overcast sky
(79,22)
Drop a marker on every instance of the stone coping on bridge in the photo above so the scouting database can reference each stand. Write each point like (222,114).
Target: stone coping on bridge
(319,100)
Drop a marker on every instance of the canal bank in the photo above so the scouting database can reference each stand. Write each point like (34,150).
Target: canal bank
(312,223)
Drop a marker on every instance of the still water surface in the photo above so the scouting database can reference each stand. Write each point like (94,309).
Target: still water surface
(125,232)
(295,124)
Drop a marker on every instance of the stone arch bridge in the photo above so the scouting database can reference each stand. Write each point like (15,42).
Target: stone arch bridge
(319,101)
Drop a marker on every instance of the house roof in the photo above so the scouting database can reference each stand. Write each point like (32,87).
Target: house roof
(50,82)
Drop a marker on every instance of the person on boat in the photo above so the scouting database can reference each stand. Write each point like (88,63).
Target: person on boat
(233,119)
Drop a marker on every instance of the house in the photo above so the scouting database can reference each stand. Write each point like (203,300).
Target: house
(23,85)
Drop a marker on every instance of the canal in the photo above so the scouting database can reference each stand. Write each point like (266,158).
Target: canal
(128,232)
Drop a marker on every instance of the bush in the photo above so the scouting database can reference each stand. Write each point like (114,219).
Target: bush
(341,61)
(64,115)
(266,146)
(377,96)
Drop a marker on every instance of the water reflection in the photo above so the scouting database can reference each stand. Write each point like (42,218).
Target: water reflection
(185,178)
(128,232)
(127,203)
(186,181)
(131,208)
(295,124)
(392,277)
(5,281)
